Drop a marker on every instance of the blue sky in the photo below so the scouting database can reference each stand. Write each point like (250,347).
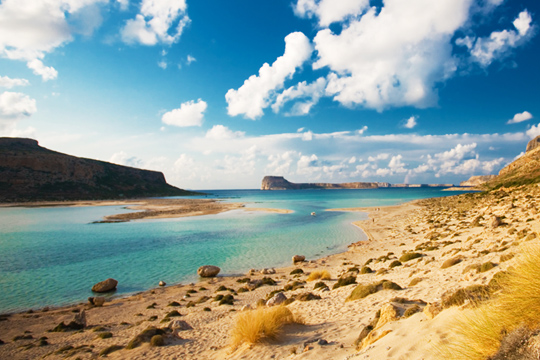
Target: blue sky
(217,94)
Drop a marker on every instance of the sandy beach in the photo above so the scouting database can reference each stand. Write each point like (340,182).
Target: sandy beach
(459,230)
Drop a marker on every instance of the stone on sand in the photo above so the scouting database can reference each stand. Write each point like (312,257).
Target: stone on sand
(298,258)
(277,299)
(208,271)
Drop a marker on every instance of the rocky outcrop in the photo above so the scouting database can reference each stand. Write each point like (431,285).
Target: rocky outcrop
(477,180)
(280,183)
(105,286)
(29,172)
(533,144)
(208,271)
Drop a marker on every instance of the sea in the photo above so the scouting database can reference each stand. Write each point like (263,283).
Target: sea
(51,256)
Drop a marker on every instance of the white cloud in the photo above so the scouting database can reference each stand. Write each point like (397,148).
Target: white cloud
(280,164)
(382,156)
(384,59)
(520,117)
(14,106)
(190,59)
(124,4)
(362,130)
(8,83)
(121,158)
(485,50)
(190,113)
(352,160)
(46,72)
(162,64)
(410,123)
(220,132)
(311,93)
(330,11)
(30,29)
(256,92)
(156,23)
(534,131)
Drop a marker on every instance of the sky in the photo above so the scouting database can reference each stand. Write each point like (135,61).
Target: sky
(217,94)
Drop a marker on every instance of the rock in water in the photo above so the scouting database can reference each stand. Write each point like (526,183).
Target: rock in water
(298,258)
(277,299)
(208,271)
(105,286)
(162,283)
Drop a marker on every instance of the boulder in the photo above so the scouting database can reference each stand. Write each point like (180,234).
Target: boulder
(208,271)
(179,325)
(79,319)
(298,258)
(96,300)
(162,283)
(268,271)
(105,286)
(496,222)
(277,299)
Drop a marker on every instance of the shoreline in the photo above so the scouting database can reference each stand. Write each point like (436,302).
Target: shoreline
(391,231)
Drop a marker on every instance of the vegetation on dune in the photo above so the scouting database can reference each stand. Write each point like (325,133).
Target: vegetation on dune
(496,327)
(262,323)
(361,291)
(319,275)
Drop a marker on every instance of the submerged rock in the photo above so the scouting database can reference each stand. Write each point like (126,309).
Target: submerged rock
(162,283)
(105,286)
(208,271)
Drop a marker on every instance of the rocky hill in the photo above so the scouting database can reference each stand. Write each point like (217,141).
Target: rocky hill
(477,180)
(524,170)
(29,172)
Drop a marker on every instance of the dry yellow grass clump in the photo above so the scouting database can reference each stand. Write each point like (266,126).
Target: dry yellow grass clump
(255,325)
(319,275)
(479,331)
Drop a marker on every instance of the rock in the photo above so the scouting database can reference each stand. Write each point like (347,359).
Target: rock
(254,284)
(162,283)
(496,222)
(533,144)
(277,299)
(432,310)
(105,286)
(389,313)
(298,258)
(268,271)
(179,325)
(322,342)
(96,300)
(208,271)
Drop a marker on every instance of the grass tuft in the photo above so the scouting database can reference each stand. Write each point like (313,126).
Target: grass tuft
(409,256)
(451,262)
(319,275)
(344,282)
(361,291)
(262,323)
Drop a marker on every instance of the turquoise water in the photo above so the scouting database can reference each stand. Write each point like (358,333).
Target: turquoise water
(53,256)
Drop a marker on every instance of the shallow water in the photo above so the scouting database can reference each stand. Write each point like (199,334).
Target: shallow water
(53,256)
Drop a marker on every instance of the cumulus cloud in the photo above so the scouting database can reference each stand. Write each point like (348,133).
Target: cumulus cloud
(330,11)
(31,29)
(8,83)
(220,132)
(190,59)
(14,106)
(190,113)
(46,72)
(310,93)
(383,59)
(121,158)
(159,21)
(520,117)
(485,50)
(534,131)
(162,64)
(257,91)
(410,123)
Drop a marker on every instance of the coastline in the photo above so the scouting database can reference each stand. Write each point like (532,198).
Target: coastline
(392,230)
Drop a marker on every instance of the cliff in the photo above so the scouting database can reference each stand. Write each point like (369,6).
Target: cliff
(280,183)
(523,170)
(29,172)
(477,180)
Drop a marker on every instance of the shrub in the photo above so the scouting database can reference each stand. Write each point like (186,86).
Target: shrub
(486,266)
(344,282)
(105,335)
(409,256)
(319,275)
(268,281)
(227,300)
(254,325)
(361,291)
(296,271)
(415,281)
(411,311)
(320,285)
(307,297)
(110,349)
(157,340)
(451,262)
(293,286)
(144,337)
(366,270)
(474,293)
(174,303)
(394,264)
(221,288)
(243,280)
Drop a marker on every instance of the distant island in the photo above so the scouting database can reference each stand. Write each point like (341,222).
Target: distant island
(280,183)
(29,172)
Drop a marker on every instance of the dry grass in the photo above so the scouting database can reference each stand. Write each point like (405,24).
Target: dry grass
(319,275)
(263,323)
(478,332)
